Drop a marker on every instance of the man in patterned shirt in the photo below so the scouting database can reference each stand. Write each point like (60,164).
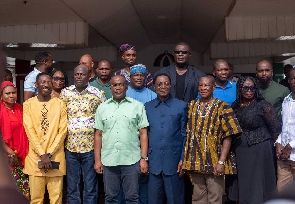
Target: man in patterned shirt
(210,128)
(129,57)
(82,101)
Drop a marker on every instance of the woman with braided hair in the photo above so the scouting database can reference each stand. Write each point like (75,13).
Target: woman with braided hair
(256,178)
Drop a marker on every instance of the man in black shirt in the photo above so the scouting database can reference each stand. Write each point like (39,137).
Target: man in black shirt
(184,86)
(184,78)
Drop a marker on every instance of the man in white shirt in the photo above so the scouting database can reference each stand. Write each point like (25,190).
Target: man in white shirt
(285,144)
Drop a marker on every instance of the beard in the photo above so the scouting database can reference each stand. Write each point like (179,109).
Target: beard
(264,81)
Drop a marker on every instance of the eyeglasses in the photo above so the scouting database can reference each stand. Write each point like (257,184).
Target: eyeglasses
(118,85)
(181,51)
(248,88)
(62,79)
(165,84)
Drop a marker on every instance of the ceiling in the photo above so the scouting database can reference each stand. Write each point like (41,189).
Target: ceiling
(137,22)
(201,23)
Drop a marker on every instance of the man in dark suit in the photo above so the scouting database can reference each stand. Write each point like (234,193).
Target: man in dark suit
(184,78)
(167,117)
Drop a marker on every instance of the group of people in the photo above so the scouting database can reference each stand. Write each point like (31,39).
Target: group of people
(151,137)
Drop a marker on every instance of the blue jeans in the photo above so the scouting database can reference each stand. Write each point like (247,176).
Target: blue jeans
(124,175)
(75,163)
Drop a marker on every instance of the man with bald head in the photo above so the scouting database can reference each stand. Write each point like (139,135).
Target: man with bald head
(184,77)
(102,82)
(225,89)
(211,126)
(121,143)
(272,91)
(88,61)
(82,101)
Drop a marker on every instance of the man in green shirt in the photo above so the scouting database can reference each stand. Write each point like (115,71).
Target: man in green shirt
(102,82)
(121,143)
(273,92)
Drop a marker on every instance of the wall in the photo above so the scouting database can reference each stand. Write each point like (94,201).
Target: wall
(146,57)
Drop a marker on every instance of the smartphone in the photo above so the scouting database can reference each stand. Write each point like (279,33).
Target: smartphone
(55,165)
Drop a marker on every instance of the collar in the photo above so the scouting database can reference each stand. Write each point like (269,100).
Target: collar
(137,90)
(107,84)
(264,88)
(37,70)
(126,99)
(289,97)
(168,101)
(73,87)
(228,85)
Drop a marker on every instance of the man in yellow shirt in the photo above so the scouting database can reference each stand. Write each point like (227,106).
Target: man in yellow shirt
(45,122)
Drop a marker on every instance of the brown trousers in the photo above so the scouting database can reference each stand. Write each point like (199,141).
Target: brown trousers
(208,189)
(286,173)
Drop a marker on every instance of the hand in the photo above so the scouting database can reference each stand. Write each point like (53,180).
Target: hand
(46,162)
(279,149)
(144,167)
(13,160)
(219,170)
(286,152)
(179,168)
(98,167)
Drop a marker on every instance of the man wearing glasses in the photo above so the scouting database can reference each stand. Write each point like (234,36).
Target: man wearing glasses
(167,117)
(184,78)
(121,143)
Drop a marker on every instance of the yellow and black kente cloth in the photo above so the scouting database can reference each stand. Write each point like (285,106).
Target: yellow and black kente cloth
(206,128)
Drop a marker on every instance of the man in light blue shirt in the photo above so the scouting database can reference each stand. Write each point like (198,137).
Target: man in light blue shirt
(44,63)
(137,89)
(225,89)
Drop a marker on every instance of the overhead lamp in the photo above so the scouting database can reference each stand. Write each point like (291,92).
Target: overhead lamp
(288,54)
(287,37)
(12,45)
(42,45)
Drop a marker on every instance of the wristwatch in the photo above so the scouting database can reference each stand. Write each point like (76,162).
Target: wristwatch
(145,158)
(221,162)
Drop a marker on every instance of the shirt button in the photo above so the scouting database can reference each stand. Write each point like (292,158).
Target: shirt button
(162,151)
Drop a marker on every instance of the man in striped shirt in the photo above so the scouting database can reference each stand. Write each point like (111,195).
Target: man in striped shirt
(211,126)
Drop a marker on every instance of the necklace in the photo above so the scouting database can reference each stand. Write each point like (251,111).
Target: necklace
(248,103)
(11,109)
(206,108)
